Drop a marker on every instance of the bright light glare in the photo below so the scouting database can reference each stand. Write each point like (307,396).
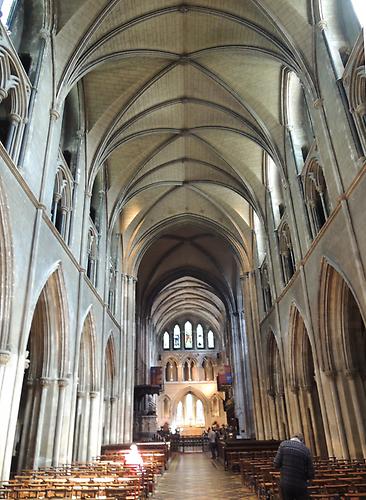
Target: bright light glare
(5,11)
(360,9)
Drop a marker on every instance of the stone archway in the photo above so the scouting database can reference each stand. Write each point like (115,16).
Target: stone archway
(110,394)
(304,387)
(190,411)
(38,438)
(276,390)
(343,352)
(85,409)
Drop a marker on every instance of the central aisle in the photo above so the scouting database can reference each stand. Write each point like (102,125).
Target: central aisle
(196,476)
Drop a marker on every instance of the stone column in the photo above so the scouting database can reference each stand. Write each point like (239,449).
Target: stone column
(130,361)
(338,414)
(299,424)
(122,359)
(62,384)
(273,415)
(25,438)
(237,371)
(44,385)
(92,427)
(352,377)
(113,424)
(107,419)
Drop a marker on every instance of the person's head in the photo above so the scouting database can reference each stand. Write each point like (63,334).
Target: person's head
(133,448)
(299,436)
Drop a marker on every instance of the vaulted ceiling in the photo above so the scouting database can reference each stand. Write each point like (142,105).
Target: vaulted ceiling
(182,100)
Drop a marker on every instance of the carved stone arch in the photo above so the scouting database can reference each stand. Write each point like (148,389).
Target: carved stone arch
(341,323)
(14,98)
(193,390)
(47,376)
(6,270)
(50,319)
(110,356)
(171,369)
(304,385)
(315,194)
(109,391)
(300,356)
(88,386)
(88,373)
(274,365)
(354,80)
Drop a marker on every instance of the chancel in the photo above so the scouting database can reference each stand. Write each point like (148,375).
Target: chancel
(182,243)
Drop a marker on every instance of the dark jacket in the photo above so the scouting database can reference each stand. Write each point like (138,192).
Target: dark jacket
(295,463)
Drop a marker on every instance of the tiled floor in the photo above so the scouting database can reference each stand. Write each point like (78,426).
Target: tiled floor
(196,476)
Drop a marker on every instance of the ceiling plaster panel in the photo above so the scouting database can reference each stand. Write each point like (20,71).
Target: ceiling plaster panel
(256,80)
(186,171)
(239,151)
(181,34)
(187,147)
(185,116)
(111,86)
(232,201)
(184,81)
(183,200)
(131,9)
(123,162)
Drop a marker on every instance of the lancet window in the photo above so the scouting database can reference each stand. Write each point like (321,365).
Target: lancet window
(188,337)
(62,199)
(316,195)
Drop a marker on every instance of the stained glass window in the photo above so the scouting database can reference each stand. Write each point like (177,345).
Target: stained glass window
(210,340)
(176,342)
(166,340)
(188,339)
(200,339)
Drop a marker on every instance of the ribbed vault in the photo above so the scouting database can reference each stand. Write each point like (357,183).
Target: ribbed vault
(184,102)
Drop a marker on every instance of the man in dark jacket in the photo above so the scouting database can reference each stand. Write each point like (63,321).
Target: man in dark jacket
(295,462)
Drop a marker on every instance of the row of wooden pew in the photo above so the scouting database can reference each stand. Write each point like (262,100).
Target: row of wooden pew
(334,479)
(109,477)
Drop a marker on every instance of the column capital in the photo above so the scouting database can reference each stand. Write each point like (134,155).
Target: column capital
(4,357)
(322,25)
(63,382)
(54,114)
(318,103)
(45,381)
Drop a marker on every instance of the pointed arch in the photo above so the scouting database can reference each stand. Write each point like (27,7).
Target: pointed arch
(342,323)
(47,345)
(88,374)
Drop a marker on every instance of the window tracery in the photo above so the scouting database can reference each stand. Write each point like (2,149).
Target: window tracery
(316,195)
(194,337)
(62,199)
(14,96)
